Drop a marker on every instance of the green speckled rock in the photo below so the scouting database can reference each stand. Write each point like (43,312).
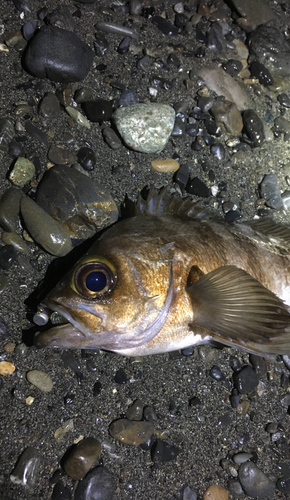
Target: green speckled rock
(145,127)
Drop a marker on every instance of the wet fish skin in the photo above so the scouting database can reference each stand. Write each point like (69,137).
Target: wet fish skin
(179,278)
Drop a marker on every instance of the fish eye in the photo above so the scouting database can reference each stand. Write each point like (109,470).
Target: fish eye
(94,278)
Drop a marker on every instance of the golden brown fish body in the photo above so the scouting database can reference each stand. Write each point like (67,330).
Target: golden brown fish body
(170,278)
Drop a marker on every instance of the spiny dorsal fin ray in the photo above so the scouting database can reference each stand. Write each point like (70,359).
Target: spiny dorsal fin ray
(165,203)
(276,233)
(240,312)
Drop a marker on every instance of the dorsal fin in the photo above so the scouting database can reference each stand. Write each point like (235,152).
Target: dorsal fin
(276,233)
(164,203)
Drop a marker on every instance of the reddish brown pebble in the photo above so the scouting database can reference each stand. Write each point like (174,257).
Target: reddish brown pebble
(215,492)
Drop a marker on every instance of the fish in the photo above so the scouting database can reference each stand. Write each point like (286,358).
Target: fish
(176,275)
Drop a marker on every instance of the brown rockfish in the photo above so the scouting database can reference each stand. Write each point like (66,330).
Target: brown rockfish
(174,276)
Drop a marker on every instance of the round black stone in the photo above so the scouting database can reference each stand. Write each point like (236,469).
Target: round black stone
(86,158)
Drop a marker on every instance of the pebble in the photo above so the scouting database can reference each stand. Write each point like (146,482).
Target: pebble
(26,470)
(10,208)
(215,492)
(283,485)
(254,127)
(233,67)
(46,231)
(61,156)
(40,379)
(7,257)
(3,285)
(135,411)
(270,48)
(78,117)
(246,380)
(145,127)
(254,482)
(111,138)
(198,188)
(270,191)
(258,70)
(36,133)
(6,368)
(68,426)
(61,492)
(227,115)
(76,200)
(15,240)
(22,172)
(218,151)
(163,451)
(258,12)
(82,458)
(57,54)
(282,124)
(128,97)
(97,485)
(258,364)
(6,134)
(164,26)
(86,158)
(242,457)
(116,29)
(284,100)
(130,431)
(165,165)
(217,80)
(49,106)
(99,110)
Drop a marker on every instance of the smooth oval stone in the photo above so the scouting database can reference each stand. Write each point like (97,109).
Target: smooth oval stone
(78,117)
(86,158)
(74,199)
(22,172)
(226,114)
(111,138)
(6,368)
(130,431)
(97,485)
(217,80)
(49,106)
(7,257)
(165,165)
(145,127)
(254,127)
(135,412)
(215,492)
(45,230)
(270,191)
(61,492)
(246,380)
(271,48)
(26,469)
(57,54)
(82,458)
(61,156)
(40,379)
(15,240)
(6,134)
(98,110)
(254,482)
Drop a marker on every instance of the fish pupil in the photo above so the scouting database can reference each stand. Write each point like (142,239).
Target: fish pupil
(96,281)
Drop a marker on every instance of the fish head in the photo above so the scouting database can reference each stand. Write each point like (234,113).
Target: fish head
(116,297)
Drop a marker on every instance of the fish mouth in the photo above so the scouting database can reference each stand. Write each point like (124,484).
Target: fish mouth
(67,335)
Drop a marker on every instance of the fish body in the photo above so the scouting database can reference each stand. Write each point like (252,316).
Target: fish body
(172,276)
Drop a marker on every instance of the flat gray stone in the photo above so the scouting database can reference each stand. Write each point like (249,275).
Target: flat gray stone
(270,47)
(217,80)
(259,11)
(145,127)
(254,482)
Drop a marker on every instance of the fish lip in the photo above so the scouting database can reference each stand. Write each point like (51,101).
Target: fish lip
(55,307)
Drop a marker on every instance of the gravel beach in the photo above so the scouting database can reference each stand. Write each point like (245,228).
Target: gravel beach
(118,96)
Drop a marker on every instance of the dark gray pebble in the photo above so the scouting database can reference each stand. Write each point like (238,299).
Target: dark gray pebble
(49,106)
(36,133)
(246,380)
(284,100)
(270,191)
(128,97)
(283,485)
(26,470)
(7,257)
(124,45)
(216,41)
(258,70)
(270,47)
(61,156)
(101,44)
(57,54)
(29,29)
(197,187)
(22,5)
(10,208)
(254,127)
(98,110)
(86,158)
(97,388)
(15,149)
(182,176)
(6,134)
(121,377)
(97,485)
(218,151)
(254,482)
(75,199)
(82,458)
(70,361)
(258,364)
(233,67)
(135,411)
(164,25)
(111,138)
(216,373)
(163,451)
(61,492)
(282,124)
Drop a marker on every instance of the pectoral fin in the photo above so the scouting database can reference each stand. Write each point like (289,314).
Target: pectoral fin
(240,312)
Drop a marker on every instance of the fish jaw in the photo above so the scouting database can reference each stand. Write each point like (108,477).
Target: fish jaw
(63,336)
